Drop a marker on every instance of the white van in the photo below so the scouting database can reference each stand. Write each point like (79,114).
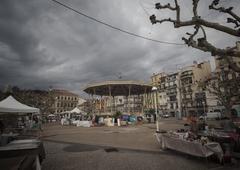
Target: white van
(213,115)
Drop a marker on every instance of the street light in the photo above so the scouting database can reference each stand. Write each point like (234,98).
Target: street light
(203,102)
(154,89)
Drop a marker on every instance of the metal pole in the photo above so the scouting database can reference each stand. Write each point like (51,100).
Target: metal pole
(144,99)
(180,96)
(92,104)
(129,93)
(114,104)
(110,95)
(157,125)
(203,107)
(154,89)
(95,103)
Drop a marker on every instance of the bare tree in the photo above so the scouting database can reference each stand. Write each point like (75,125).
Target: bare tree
(199,24)
(226,90)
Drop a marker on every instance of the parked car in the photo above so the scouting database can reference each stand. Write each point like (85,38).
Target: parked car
(211,115)
(165,115)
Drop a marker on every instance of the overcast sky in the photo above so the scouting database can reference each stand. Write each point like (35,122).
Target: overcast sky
(43,44)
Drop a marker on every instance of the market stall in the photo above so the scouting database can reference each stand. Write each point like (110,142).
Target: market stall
(22,154)
(16,117)
(19,154)
(182,143)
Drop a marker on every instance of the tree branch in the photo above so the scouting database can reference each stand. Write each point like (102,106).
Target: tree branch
(223,10)
(168,6)
(230,20)
(198,23)
(195,6)
(232,64)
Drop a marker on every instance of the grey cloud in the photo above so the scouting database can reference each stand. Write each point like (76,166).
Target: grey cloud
(43,44)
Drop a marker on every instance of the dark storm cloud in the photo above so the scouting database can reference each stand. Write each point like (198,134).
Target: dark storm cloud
(20,54)
(43,44)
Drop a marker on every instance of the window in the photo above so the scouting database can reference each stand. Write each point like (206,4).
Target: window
(234,75)
(189,89)
(172,98)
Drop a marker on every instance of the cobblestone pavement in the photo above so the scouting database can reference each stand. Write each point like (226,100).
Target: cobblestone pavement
(103,148)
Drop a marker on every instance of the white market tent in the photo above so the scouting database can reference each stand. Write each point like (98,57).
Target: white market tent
(11,105)
(51,115)
(77,110)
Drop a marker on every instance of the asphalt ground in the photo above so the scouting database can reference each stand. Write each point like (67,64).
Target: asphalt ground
(127,148)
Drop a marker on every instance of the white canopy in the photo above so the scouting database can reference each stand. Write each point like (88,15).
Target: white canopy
(11,105)
(77,110)
(51,115)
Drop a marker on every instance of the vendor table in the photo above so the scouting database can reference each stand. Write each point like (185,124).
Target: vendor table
(189,147)
(84,123)
(5,138)
(22,153)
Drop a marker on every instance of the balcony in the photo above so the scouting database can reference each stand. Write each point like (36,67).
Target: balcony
(171,93)
(171,87)
(186,74)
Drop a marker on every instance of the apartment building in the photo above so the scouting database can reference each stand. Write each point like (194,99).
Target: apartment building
(180,91)
(157,79)
(171,89)
(162,100)
(193,95)
(166,95)
(228,79)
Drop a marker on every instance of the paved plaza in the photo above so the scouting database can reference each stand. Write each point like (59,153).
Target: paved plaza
(127,148)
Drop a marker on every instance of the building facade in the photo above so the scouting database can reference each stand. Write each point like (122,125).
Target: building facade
(193,95)
(110,105)
(129,105)
(171,89)
(180,92)
(228,81)
(64,100)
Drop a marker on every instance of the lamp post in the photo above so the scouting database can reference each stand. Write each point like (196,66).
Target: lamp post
(203,102)
(154,89)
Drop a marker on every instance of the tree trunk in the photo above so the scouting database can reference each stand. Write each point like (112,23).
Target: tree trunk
(228,112)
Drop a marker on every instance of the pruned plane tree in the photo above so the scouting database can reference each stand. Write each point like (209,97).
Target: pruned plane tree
(198,38)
